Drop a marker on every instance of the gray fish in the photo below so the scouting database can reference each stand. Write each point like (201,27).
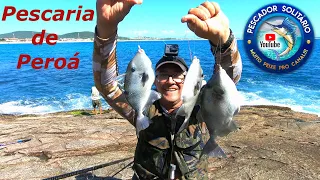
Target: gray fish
(219,101)
(190,91)
(138,81)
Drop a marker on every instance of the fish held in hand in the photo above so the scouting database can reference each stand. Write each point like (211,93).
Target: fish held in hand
(219,101)
(138,82)
(190,92)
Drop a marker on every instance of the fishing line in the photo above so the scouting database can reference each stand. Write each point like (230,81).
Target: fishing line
(189,46)
(164,42)
(191,53)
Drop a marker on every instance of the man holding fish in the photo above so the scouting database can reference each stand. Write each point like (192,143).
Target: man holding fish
(169,121)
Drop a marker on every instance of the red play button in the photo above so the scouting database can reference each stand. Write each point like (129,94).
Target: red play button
(270,37)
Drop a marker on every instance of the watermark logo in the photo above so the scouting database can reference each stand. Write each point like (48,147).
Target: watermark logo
(278,38)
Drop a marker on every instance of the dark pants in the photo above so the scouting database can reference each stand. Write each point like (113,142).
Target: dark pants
(96,103)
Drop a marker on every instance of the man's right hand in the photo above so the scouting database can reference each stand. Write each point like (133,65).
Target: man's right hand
(110,13)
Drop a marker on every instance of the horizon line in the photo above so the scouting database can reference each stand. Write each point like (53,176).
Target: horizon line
(239,38)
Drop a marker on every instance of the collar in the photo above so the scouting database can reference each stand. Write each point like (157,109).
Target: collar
(166,112)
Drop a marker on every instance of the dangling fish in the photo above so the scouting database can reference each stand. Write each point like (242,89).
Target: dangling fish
(219,101)
(190,92)
(138,82)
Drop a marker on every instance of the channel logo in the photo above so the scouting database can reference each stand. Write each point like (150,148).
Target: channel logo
(270,37)
(279,38)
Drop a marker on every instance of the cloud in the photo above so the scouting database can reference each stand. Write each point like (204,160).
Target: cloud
(140,32)
(168,32)
(188,32)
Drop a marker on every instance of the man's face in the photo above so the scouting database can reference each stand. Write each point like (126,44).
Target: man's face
(169,82)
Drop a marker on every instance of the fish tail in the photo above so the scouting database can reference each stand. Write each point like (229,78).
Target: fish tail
(182,112)
(212,149)
(142,123)
(276,53)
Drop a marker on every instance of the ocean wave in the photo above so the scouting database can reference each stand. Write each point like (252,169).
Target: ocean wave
(252,98)
(20,107)
(79,101)
(48,105)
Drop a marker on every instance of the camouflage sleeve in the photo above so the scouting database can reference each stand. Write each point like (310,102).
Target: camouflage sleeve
(230,61)
(105,72)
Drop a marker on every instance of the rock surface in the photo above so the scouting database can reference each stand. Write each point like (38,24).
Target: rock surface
(273,143)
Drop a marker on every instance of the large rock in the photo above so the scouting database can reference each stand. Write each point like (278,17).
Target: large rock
(273,143)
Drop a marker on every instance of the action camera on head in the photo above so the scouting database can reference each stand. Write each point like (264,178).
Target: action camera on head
(171,50)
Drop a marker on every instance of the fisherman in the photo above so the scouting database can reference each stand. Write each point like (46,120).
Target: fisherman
(96,102)
(161,152)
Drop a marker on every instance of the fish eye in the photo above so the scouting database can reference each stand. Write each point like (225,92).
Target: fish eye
(133,69)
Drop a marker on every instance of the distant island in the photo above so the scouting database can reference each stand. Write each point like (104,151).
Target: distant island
(26,36)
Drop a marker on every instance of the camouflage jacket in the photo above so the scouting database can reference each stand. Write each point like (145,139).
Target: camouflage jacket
(159,146)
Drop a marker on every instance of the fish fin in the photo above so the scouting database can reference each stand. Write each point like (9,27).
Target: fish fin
(120,79)
(277,54)
(289,25)
(227,129)
(121,76)
(217,94)
(181,111)
(204,82)
(197,88)
(140,50)
(145,78)
(212,149)
(154,95)
(233,126)
(236,111)
(142,122)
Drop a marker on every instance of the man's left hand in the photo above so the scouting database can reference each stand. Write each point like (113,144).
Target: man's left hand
(209,22)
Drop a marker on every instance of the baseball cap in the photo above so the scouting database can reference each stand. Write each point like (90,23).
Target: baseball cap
(174,60)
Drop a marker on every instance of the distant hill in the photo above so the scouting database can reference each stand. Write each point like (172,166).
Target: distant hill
(30,34)
(19,34)
(74,35)
(82,35)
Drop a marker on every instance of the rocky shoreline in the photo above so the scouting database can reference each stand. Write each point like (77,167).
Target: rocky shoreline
(273,143)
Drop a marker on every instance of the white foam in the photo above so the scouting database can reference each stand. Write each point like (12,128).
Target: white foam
(16,107)
(46,105)
(250,98)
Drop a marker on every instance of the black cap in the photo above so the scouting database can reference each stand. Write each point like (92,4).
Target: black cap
(174,60)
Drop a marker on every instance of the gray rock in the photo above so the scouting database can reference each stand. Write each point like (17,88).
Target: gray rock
(273,143)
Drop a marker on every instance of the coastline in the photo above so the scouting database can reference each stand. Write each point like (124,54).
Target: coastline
(119,40)
(272,143)
(278,107)
(29,42)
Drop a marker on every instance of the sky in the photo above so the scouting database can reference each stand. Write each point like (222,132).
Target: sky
(152,18)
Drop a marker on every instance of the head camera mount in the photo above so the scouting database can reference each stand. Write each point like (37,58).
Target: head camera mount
(171,50)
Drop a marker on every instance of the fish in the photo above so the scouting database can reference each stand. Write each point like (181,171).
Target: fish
(190,92)
(219,103)
(287,31)
(138,81)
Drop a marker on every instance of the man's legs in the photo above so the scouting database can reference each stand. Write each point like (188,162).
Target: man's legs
(94,104)
(99,105)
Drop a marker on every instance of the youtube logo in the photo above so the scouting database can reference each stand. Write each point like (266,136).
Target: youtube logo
(270,37)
